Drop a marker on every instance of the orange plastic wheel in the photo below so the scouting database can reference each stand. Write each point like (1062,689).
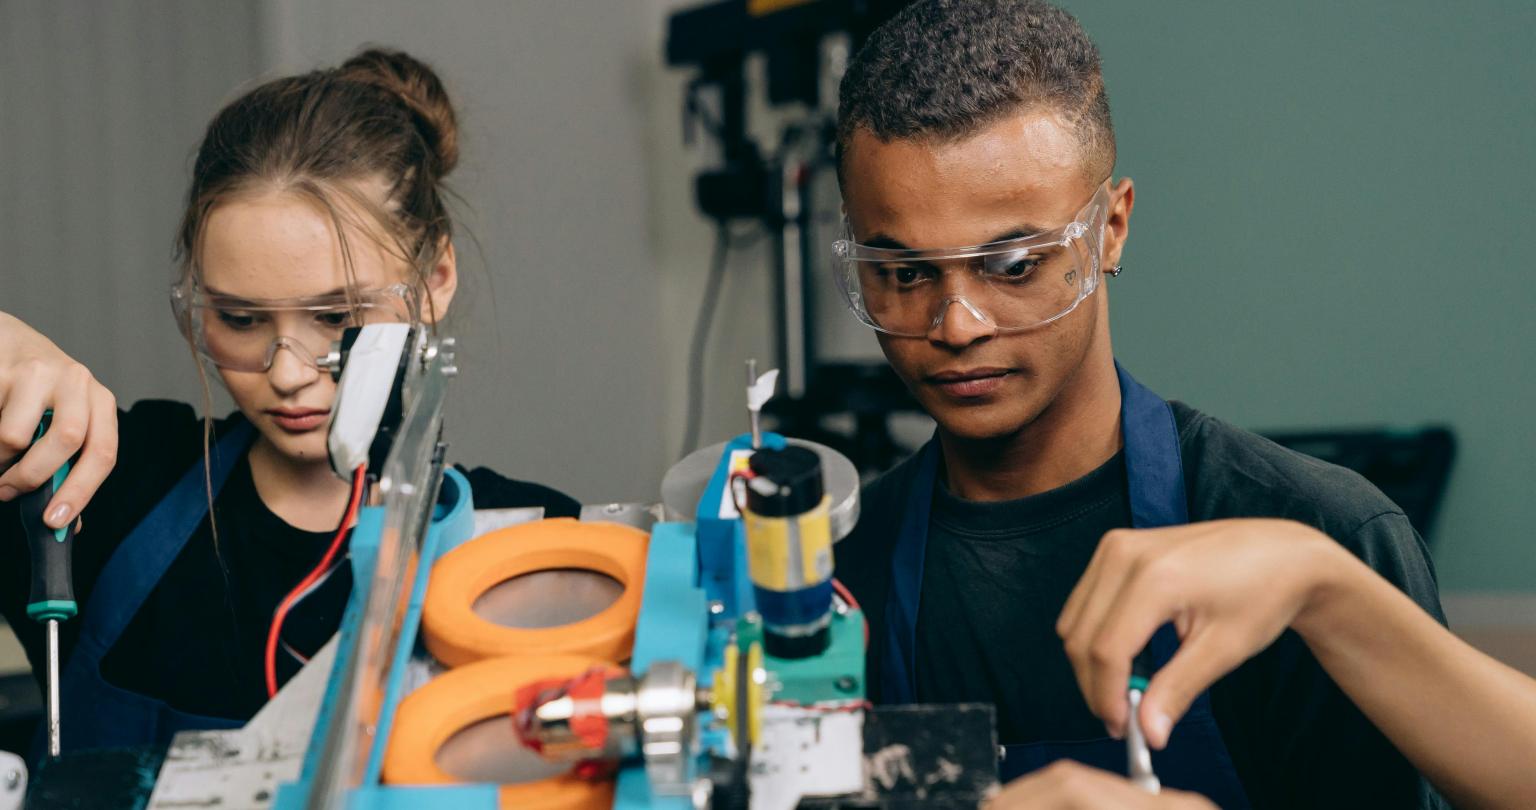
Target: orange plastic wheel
(455,634)
(467,695)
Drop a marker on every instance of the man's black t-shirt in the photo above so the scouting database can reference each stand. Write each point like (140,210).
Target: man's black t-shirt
(198,641)
(996,576)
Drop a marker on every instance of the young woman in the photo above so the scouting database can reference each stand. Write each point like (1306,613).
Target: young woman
(315,203)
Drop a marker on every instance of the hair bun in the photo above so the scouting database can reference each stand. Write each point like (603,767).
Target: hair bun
(419,88)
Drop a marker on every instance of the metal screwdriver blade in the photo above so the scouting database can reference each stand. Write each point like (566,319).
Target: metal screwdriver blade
(1137,752)
(54,744)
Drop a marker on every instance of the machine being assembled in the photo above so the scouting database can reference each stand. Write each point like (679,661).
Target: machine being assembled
(728,670)
(746,686)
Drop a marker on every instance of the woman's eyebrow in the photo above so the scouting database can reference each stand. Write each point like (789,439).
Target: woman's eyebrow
(335,292)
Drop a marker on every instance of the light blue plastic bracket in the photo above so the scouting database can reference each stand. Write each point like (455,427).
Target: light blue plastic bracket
(452,520)
(673,626)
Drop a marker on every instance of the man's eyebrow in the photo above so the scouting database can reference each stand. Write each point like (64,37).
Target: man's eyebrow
(1020,232)
(888,242)
(885,242)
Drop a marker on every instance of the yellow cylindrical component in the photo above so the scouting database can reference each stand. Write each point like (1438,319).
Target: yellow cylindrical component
(790,553)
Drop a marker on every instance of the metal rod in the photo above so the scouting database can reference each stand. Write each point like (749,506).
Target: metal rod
(1137,752)
(757,426)
(55,744)
(789,269)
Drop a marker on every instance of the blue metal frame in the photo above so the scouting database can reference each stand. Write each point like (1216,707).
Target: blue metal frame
(673,626)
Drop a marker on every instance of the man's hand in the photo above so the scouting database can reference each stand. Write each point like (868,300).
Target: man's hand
(1230,587)
(1068,785)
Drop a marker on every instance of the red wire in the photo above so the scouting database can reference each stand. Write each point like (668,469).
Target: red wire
(842,590)
(276,630)
(853,604)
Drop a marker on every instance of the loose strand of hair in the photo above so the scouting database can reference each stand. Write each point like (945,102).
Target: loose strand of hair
(213,521)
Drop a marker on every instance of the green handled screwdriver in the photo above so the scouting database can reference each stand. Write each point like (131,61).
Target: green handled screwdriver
(1138,754)
(53,594)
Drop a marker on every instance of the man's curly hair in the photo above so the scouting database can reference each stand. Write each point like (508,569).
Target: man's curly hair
(945,69)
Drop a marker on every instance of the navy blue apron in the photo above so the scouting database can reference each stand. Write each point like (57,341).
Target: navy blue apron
(96,714)
(1196,758)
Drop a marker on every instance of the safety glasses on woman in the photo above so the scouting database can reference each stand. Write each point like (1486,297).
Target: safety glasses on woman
(243,334)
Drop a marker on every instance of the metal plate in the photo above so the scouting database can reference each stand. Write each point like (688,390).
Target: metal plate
(641,516)
(806,752)
(242,768)
(489,520)
(685,483)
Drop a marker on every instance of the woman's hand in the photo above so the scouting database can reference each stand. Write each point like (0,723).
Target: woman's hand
(1230,587)
(36,376)
(1068,785)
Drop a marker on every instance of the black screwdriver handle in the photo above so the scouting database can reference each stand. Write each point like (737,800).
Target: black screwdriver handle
(53,592)
(1141,670)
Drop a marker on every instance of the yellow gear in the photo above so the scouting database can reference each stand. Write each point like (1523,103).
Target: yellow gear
(723,697)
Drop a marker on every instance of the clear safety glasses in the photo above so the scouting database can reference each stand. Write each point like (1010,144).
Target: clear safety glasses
(244,334)
(1011,286)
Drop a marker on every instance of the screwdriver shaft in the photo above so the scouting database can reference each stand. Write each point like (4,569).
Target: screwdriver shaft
(1139,755)
(54,743)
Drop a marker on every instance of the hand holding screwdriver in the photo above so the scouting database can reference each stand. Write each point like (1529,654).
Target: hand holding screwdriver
(36,376)
(1228,587)
(1138,755)
(53,596)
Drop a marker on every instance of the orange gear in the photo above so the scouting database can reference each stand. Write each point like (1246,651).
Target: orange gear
(469,694)
(455,634)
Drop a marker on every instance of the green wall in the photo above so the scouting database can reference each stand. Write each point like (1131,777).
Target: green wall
(1333,229)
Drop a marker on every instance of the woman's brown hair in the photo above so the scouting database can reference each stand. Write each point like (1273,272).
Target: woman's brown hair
(381,115)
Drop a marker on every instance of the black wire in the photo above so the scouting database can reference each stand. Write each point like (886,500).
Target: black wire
(712,286)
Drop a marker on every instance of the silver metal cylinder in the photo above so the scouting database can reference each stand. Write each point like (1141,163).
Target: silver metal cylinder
(55,741)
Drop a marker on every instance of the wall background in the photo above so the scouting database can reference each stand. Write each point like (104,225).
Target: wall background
(1331,231)
(1332,226)
(101,106)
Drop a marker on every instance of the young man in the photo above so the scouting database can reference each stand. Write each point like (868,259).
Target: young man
(976,152)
